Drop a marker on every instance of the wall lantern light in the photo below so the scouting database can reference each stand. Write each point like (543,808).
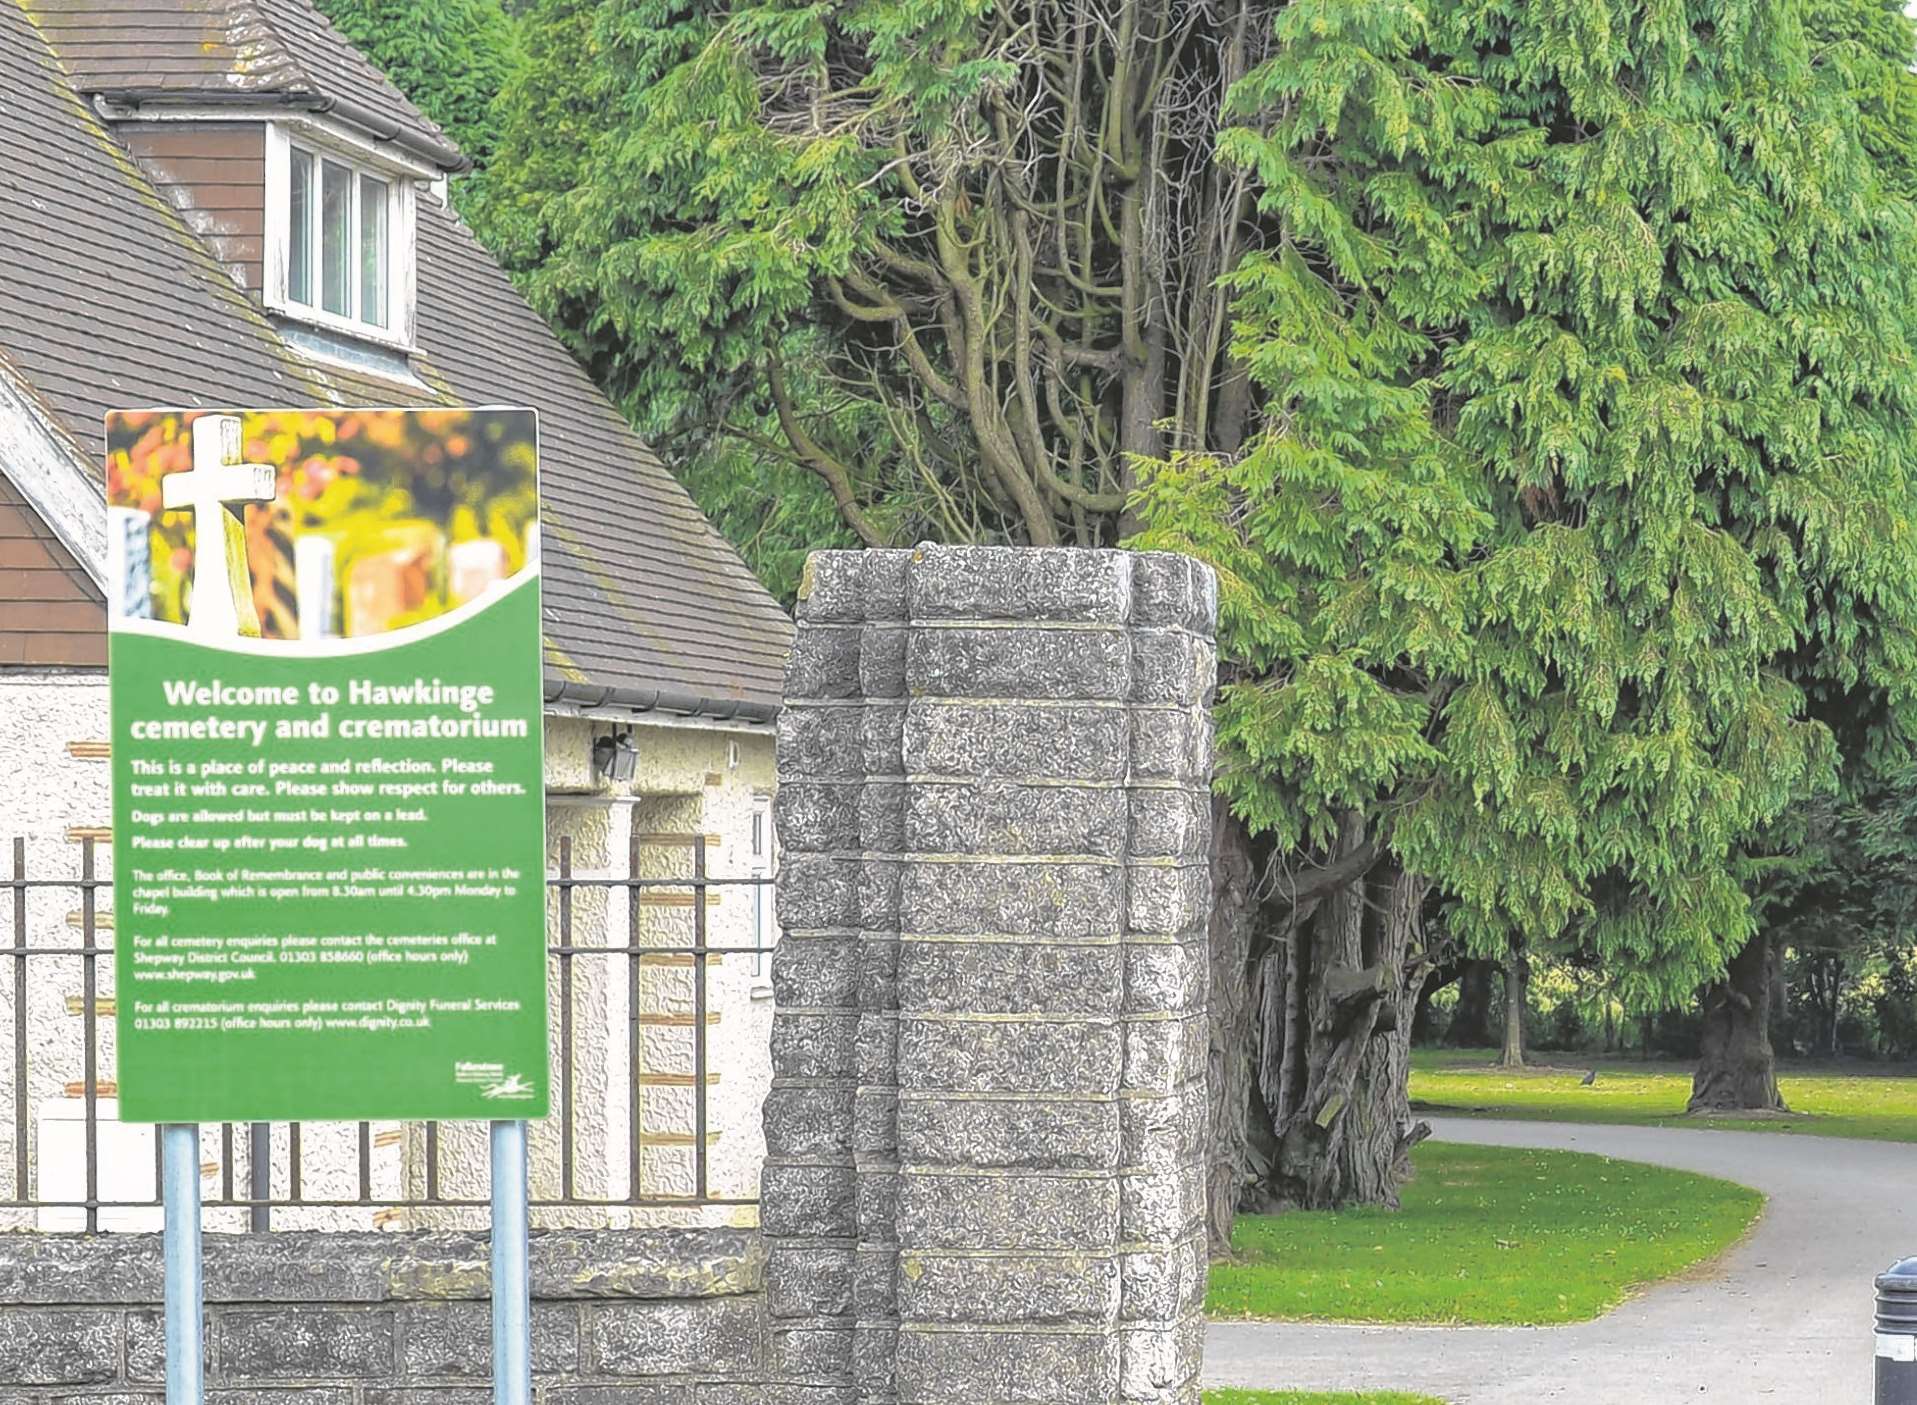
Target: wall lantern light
(616,757)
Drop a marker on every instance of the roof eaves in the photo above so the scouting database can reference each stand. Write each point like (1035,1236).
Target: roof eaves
(602,697)
(443,155)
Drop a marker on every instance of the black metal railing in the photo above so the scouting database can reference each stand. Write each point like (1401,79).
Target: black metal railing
(441,1167)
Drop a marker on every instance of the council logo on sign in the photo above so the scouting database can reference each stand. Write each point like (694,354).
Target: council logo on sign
(493,1081)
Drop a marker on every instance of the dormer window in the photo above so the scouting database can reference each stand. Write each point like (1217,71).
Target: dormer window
(338,253)
(339,237)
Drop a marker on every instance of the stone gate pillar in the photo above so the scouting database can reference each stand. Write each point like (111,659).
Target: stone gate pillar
(985,1172)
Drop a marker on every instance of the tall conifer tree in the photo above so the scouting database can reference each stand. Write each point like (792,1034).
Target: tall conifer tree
(1539,376)
(1581,510)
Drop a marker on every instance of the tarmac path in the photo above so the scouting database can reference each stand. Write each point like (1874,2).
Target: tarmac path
(1784,1316)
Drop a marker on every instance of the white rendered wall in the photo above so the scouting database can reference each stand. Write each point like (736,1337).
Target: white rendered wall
(690,780)
(54,789)
(48,797)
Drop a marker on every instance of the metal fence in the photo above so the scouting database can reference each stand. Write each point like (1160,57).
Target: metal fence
(261,1168)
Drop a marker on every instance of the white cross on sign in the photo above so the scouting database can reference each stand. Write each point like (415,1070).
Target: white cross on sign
(216,490)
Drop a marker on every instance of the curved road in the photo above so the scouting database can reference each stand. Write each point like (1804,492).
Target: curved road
(1784,1316)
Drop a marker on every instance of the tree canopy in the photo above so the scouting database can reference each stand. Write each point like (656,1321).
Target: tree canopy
(1538,377)
(1573,348)
(452,58)
(1585,468)
(955,266)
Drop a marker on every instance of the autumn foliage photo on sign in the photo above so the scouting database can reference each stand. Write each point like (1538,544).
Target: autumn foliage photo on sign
(370,520)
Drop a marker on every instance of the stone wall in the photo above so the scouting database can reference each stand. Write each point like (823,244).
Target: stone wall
(984,1179)
(644,1317)
(985,1173)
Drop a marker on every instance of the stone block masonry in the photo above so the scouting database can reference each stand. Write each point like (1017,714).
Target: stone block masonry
(984,1182)
(664,1317)
(985,1171)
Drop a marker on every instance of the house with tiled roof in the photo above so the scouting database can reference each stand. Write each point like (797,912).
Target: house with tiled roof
(222,204)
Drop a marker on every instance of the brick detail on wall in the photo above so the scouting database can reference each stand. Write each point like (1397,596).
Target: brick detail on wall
(986,1130)
(51,614)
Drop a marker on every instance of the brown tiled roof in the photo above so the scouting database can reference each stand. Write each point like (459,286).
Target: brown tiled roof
(107,300)
(220,50)
(189,46)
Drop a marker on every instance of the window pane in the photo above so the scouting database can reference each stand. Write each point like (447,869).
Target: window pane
(336,238)
(372,251)
(299,227)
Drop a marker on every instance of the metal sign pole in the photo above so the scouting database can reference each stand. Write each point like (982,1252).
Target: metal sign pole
(180,1167)
(512,1290)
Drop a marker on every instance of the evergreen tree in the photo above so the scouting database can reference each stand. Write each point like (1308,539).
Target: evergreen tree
(467,65)
(1581,501)
(1538,377)
(631,256)
(1840,909)
(953,267)
(450,57)
(952,264)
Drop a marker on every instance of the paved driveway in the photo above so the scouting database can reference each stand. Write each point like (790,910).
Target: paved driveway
(1785,1316)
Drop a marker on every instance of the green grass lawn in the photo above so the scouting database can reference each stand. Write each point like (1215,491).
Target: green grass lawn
(1824,1103)
(1489,1235)
(1306,1397)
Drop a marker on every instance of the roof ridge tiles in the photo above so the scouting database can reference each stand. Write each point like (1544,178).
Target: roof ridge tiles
(234,51)
(253,39)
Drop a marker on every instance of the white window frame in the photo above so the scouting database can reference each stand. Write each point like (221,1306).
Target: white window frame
(401,241)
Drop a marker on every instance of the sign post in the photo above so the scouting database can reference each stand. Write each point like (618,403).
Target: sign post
(329,842)
(180,1165)
(512,1286)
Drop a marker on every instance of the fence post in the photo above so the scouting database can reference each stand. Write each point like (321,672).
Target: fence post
(259,1176)
(20,1094)
(700,971)
(90,1036)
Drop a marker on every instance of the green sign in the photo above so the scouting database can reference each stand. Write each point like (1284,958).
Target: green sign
(328,801)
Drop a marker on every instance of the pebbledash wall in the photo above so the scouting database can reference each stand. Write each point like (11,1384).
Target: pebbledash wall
(984,1176)
(693,778)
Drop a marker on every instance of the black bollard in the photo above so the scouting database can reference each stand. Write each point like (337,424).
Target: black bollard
(1897,1335)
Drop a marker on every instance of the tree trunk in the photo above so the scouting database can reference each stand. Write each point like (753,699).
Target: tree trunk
(1735,1070)
(1835,1011)
(1338,1129)
(1471,1020)
(1517,981)
(1421,1018)
(1233,1006)
(1780,992)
